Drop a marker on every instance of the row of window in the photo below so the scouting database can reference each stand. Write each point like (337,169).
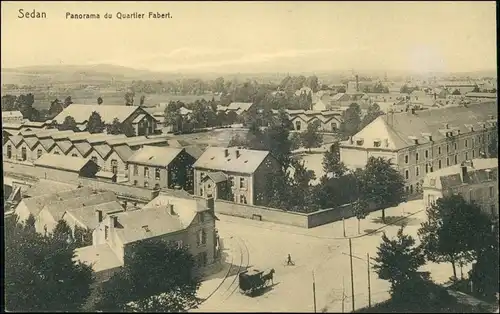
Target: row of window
(146,172)
(455,146)
(243,180)
(298,125)
(146,184)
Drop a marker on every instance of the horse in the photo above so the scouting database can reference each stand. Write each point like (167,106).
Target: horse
(269,276)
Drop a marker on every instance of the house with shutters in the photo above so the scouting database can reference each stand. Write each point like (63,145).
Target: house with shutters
(420,142)
(141,120)
(233,174)
(184,221)
(161,167)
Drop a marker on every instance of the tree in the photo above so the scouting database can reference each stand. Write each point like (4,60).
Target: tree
(493,145)
(99,100)
(372,113)
(69,123)
(173,115)
(63,232)
(238,141)
(456,92)
(67,101)
(30,223)
(405,89)
(360,210)
(476,89)
(40,274)
(296,141)
(95,123)
(83,236)
(312,83)
(311,137)
(142,100)
(332,163)
(127,128)
(382,184)
(24,103)
(453,230)
(8,102)
(129,98)
(332,192)
(157,277)
(56,107)
(398,261)
(351,121)
(115,127)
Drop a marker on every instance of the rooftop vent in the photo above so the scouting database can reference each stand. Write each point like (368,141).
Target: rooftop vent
(226,152)
(238,153)
(151,157)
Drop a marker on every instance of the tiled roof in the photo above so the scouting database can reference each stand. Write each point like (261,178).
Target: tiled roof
(100,257)
(64,145)
(83,147)
(214,158)
(77,136)
(44,187)
(57,135)
(61,162)
(86,215)
(81,113)
(102,149)
(123,151)
(194,151)
(58,209)
(35,204)
(432,121)
(47,143)
(155,156)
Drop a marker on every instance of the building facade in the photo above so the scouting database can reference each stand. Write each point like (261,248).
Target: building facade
(421,142)
(476,180)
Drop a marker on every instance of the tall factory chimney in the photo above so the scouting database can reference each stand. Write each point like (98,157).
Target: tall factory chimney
(357,83)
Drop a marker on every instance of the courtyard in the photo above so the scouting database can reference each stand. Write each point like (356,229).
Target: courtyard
(322,250)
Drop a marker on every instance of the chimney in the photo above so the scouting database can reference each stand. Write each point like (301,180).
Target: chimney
(98,214)
(237,154)
(350,140)
(226,153)
(465,176)
(171,209)
(113,222)
(357,83)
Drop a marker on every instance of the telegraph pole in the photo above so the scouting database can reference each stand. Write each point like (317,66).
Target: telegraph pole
(352,275)
(314,292)
(369,286)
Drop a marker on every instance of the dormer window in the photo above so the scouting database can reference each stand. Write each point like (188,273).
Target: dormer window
(359,142)
(489,174)
(376,143)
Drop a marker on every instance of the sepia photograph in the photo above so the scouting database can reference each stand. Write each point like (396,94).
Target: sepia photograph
(250,156)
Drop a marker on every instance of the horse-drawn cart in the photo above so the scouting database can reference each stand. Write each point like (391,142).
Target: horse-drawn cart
(251,281)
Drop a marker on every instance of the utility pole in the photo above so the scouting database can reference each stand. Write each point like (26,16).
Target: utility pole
(314,292)
(369,286)
(343,294)
(343,226)
(352,275)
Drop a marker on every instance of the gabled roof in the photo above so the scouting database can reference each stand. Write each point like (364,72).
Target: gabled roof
(81,113)
(12,114)
(123,151)
(155,156)
(58,209)
(61,134)
(16,140)
(86,215)
(217,177)
(100,257)
(31,141)
(79,136)
(194,151)
(61,162)
(64,145)
(214,158)
(244,106)
(47,143)
(83,147)
(102,149)
(35,204)
(45,187)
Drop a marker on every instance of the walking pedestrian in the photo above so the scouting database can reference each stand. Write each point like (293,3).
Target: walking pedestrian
(289,260)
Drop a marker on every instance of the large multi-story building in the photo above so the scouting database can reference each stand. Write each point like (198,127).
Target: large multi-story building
(182,220)
(476,180)
(161,167)
(419,142)
(239,174)
(109,152)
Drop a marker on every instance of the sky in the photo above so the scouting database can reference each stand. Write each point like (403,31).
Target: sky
(256,36)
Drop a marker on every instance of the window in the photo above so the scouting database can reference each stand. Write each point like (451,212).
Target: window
(439,164)
(426,168)
(406,159)
(416,156)
(376,143)
(202,237)
(94,159)
(135,182)
(157,186)
(201,191)
(426,154)
(231,180)
(297,125)
(417,171)
(114,166)
(447,161)
(39,153)
(439,150)
(407,174)
(466,142)
(447,148)
(146,184)
(9,151)
(491,191)
(146,172)
(74,155)
(242,183)
(157,173)
(466,156)
(456,159)
(473,153)
(136,170)
(455,146)
(243,199)
(333,126)
(106,232)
